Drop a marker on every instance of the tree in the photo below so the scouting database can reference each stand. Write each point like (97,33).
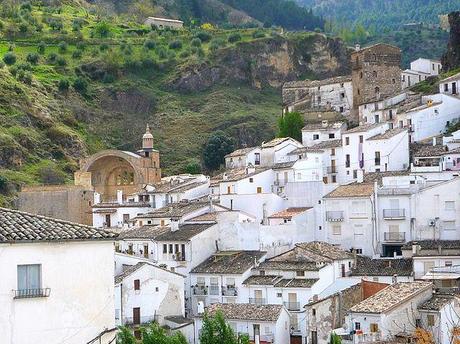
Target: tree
(193,167)
(9,58)
(216,330)
(290,125)
(153,334)
(335,338)
(217,146)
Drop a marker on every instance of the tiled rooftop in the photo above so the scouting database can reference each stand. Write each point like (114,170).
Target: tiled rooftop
(390,297)
(262,280)
(236,174)
(241,151)
(184,233)
(174,210)
(388,134)
(245,311)
(372,177)
(366,266)
(316,83)
(275,142)
(325,250)
(352,190)
(289,213)
(288,265)
(433,244)
(229,262)
(436,303)
(282,165)
(362,128)
(143,232)
(17,226)
(128,270)
(427,150)
(320,126)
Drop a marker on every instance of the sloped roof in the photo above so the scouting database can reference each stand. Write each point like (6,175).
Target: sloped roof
(362,128)
(289,213)
(246,311)
(184,233)
(451,78)
(436,303)
(229,262)
(320,126)
(427,150)
(174,210)
(326,250)
(388,134)
(352,190)
(366,266)
(143,232)
(241,151)
(390,297)
(17,226)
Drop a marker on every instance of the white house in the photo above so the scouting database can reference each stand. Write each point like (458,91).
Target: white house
(57,280)
(243,157)
(383,270)
(276,150)
(145,293)
(450,85)
(262,323)
(452,141)
(440,316)
(219,279)
(314,133)
(391,311)
(162,23)
(419,70)
(411,77)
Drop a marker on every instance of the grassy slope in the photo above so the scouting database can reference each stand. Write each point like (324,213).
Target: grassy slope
(43,128)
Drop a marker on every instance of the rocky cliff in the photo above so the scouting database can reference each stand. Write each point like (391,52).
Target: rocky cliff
(451,59)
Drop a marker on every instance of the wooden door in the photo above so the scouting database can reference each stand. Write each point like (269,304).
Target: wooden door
(136,316)
(343,270)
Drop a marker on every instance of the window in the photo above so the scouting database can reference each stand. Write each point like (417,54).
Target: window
(313,312)
(333,179)
(170,248)
(315,136)
(390,114)
(257,159)
(300,273)
(332,151)
(146,250)
(347,141)
(251,180)
(341,109)
(336,229)
(125,218)
(165,248)
(262,272)
(377,158)
(137,284)
(259,189)
(358,229)
(342,95)
(374,327)
(176,248)
(375,279)
(448,263)
(162,222)
(449,205)
(355,174)
(446,87)
(347,160)
(130,248)
(430,319)
(331,135)
(448,225)
(374,74)
(29,279)
(229,189)
(357,326)
(359,250)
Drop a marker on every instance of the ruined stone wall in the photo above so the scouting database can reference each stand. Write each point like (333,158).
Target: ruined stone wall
(65,202)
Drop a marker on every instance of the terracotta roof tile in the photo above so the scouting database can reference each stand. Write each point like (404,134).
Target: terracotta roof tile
(229,262)
(352,190)
(289,213)
(245,311)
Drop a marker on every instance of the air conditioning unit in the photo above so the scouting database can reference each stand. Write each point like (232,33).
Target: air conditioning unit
(431,222)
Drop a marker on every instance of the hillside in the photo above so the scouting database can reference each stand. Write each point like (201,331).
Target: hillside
(72,82)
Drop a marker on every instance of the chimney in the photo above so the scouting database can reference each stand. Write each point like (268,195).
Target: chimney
(324,123)
(174,225)
(264,214)
(97,198)
(439,249)
(225,176)
(434,141)
(360,176)
(415,249)
(394,279)
(250,169)
(357,47)
(119,196)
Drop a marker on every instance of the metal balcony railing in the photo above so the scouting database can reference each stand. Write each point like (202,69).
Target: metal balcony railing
(257,301)
(394,236)
(334,216)
(229,291)
(31,293)
(394,214)
(292,306)
(200,290)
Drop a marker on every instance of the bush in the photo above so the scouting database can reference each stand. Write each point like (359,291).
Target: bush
(175,45)
(23,27)
(26,77)
(149,44)
(51,176)
(63,85)
(108,78)
(234,37)
(196,42)
(204,36)
(9,58)
(41,48)
(2,64)
(80,85)
(258,34)
(62,47)
(52,57)
(61,61)
(77,54)
(162,53)
(81,46)
(104,47)
(184,54)
(102,29)
(33,58)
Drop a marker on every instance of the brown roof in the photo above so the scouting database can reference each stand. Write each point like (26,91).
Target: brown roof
(246,311)
(288,213)
(427,150)
(328,144)
(316,83)
(241,151)
(262,280)
(388,134)
(229,262)
(436,303)
(390,297)
(275,142)
(325,249)
(184,233)
(362,128)
(205,217)
(366,266)
(296,283)
(17,226)
(143,232)
(288,265)
(352,190)
(281,165)
(320,126)
(451,78)
(302,150)
(236,174)
(174,210)
(372,177)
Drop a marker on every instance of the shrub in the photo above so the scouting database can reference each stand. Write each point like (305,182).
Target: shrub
(80,85)
(77,54)
(24,66)
(175,45)
(258,34)
(63,85)
(149,44)
(52,57)
(108,78)
(62,47)
(204,36)
(2,64)
(102,29)
(196,42)
(26,77)
(234,37)
(184,54)
(33,58)
(41,48)
(9,58)
(13,70)
(104,47)
(161,52)
(23,27)
(61,61)
(81,46)
(51,176)
(1,25)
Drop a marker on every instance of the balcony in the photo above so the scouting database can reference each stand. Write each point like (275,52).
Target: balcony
(229,291)
(257,301)
(292,306)
(31,293)
(394,214)
(213,290)
(200,290)
(334,216)
(394,236)
(331,169)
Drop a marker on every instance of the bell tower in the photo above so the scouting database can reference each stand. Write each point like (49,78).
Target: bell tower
(147,139)
(150,158)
